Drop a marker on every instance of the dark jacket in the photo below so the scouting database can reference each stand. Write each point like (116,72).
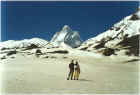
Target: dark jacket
(71,66)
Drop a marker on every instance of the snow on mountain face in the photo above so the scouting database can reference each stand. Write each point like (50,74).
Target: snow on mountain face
(137,14)
(127,32)
(66,35)
(10,44)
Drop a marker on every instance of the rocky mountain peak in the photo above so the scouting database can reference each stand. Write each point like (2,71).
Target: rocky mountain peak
(66,28)
(67,36)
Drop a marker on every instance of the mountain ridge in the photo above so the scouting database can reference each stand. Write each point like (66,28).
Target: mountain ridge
(122,38)
(118,35)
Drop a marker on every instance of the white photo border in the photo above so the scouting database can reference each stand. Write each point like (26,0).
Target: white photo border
(59,94)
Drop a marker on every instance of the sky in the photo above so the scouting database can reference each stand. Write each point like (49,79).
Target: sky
(28,19)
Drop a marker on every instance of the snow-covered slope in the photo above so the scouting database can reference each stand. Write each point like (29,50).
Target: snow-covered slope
(10,44)
(66,35)
(127,32)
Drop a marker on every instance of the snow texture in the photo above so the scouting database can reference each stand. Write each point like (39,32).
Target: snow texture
(126,28)
(67,36)
(10,44)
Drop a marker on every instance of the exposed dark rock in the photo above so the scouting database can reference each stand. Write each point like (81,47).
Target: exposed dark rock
(132,45)
(11,52)
(53,57)
(32,46)
(133,60)
(100,45)
(88,50)
(84,48)
(134,17)
(4,57)
(60,51)
(112,28)
(118,28)
(46,57)
(108,51)
(4,48)
(38,51)
(29,53)
(90,45)
(65,57)
(12,57)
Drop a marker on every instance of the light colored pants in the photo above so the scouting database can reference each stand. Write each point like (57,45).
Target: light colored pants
(76,74)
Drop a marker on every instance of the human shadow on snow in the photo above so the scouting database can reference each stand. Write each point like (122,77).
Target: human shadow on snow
(85,80)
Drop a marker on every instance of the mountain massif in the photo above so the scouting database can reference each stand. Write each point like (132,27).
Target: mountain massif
(120,39)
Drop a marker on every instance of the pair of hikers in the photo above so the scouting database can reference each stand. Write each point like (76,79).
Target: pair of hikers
(74,70)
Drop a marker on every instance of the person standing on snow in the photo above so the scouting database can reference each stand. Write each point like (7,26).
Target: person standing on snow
(76,71)
(71,68)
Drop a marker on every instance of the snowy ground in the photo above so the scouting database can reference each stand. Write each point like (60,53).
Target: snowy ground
(29,74)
